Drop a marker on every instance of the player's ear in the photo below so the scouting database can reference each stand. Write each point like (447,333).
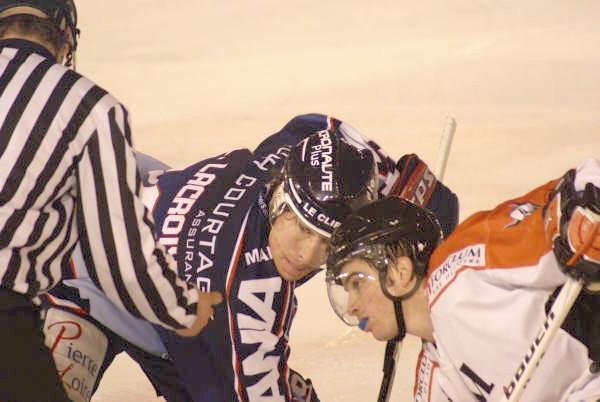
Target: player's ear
(62,53)
(399,276)
(406,268)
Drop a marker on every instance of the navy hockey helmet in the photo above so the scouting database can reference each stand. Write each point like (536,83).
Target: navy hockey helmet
(324,179)
(61,12)
(370,232)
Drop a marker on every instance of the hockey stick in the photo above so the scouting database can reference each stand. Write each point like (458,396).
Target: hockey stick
(392,352)
(393,348)
(555,318)
(444,150)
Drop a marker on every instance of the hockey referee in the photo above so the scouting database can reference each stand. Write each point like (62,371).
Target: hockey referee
(68,174)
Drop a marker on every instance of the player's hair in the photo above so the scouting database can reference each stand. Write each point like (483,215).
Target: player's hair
(30,25)
(382,231)
(399,248)
(276,206)
(53,22)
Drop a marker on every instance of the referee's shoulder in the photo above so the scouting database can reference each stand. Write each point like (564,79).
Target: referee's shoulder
(103,100)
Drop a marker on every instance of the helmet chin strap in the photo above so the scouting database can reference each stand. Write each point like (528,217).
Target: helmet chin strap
(399,321)
(391,349)
(405,296)
(391,355)
(389,369)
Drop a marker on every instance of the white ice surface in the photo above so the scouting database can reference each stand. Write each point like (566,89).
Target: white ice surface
(200,77)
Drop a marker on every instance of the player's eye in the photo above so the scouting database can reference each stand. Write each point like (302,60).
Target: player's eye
(354,281)
(303,227)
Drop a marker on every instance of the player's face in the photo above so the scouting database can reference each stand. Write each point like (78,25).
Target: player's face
(366,301)
(296,250)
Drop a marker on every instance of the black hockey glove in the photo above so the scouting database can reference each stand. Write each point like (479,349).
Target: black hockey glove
(583,323)
(572,220)
(302,389)
(419,185)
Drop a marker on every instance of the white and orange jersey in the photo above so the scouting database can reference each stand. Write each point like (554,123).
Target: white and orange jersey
(488,286)
(428,382)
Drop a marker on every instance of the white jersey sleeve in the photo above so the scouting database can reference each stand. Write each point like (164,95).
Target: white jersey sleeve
(489,286)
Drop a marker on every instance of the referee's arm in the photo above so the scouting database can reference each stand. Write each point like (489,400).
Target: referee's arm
(117,230)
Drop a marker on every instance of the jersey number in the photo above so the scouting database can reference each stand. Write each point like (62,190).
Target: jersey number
(481,385)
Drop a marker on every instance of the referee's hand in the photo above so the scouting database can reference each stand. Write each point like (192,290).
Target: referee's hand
(206,301)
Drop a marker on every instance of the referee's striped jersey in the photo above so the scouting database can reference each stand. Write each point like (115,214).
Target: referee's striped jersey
(68,173)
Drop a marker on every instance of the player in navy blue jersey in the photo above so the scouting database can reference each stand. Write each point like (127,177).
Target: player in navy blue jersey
(254,226)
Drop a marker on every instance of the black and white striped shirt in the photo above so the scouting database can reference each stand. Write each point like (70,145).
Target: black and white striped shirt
(68,173)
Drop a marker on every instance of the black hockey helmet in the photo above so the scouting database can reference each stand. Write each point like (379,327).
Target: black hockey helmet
(377,233)
(373,229)
(61,12)
(324,179)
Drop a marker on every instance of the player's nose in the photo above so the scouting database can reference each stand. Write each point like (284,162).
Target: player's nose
(352,306)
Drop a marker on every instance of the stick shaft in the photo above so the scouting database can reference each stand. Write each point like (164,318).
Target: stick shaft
(393,351)
(444,150)
(555,318)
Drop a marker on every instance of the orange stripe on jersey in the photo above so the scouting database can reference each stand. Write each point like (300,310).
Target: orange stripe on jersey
(419,358)
(509,236)
(286,298)
(424,364)
(433,368)
(441,290)
(230,276)
(66,304)
(284,316)
(72,268)
(233,265)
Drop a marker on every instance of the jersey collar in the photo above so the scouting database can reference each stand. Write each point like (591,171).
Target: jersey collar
(27,45)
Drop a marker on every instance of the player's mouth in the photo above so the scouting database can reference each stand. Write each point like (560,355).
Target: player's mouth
(362,324)
(294,270)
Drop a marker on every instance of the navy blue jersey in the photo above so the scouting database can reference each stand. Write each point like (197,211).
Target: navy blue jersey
(212,216)
(242,353)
